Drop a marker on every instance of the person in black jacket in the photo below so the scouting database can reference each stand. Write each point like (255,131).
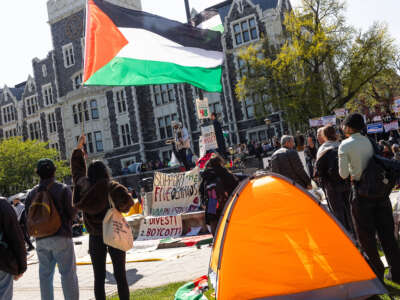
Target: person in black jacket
(286,162)
(219,135)
(326,173)
(12,250)
(217,186)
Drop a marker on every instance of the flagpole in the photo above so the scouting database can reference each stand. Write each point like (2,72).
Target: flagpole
(187,8)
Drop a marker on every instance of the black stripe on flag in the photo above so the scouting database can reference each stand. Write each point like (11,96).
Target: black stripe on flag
(183,34)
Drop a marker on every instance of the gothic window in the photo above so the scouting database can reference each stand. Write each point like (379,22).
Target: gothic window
(51,121)
(68,53)
(120,100)
(245,31)
(125,135)
(47,94)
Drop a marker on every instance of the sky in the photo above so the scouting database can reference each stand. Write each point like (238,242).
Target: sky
(25,33)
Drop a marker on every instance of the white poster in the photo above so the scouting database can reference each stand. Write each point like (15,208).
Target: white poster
(394,125)
(317,122)
(340,112)
(202,109)
(209,139)
(175,193)
(329,120)
(158,228)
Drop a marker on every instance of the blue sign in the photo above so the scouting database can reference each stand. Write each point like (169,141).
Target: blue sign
(375,128)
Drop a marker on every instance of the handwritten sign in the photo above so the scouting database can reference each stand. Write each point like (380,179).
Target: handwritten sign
(202,109)
(209,138)
(176,193)
(156,228)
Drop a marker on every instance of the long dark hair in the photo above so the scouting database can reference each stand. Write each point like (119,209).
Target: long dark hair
(98,171)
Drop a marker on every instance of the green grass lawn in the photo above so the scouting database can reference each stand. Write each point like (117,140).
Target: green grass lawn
(167,292)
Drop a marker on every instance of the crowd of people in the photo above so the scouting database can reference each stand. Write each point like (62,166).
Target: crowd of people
(347,166)
(338,160)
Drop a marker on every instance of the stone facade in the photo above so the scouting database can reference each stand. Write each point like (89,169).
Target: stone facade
(95,110)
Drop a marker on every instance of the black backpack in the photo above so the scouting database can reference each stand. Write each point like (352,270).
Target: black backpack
(379,178)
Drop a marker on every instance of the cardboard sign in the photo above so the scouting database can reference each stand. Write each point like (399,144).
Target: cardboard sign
(157,228)
(375,128)
(203,111)
(209,139)
(175,193)
(394,125)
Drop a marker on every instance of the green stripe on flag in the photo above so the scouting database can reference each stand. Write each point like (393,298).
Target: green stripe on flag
(127,71)
(219,28)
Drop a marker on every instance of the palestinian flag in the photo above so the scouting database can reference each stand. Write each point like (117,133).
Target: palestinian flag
(193,290)
(208,19)
(129,47)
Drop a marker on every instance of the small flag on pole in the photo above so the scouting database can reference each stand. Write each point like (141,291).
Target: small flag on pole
(130,47)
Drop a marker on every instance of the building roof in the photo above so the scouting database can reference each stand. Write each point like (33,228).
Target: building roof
(223,7)
(18,90)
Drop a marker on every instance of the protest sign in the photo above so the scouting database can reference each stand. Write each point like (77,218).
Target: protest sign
(202,109)
(209,138)
(375,128)
(329,120)
(317,122)
(394,125)
(340,112)
(175,193)
(156,228)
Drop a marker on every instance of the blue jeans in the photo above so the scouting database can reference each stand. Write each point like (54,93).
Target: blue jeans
(60,250)
(6,286)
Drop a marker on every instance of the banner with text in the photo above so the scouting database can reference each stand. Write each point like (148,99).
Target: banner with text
(202,109)
(375,128)
(176,193)
(322,121)
(394,125)
(157,228)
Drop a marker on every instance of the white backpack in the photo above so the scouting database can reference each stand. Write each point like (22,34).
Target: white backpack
(116,231)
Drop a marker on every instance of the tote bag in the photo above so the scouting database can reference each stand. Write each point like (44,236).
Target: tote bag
(116,231)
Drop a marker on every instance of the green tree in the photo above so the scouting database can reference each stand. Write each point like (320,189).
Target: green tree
(322,65)
(18,161)
(379,92)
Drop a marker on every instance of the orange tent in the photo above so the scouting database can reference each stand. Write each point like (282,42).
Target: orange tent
(276,242)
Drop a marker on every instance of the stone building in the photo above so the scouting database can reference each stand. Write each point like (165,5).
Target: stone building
(131,124)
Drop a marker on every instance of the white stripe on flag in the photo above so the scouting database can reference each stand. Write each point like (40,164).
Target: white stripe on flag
(146,45)
(211,23)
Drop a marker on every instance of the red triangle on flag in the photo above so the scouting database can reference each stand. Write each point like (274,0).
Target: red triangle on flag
(103,40)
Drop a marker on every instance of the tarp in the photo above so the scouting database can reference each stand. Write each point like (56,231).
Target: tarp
(275,241)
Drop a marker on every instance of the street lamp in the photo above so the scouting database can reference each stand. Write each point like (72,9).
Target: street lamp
(268,123)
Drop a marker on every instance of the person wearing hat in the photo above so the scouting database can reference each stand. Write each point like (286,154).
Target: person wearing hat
(182,143)
(58,248)
(369,216)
